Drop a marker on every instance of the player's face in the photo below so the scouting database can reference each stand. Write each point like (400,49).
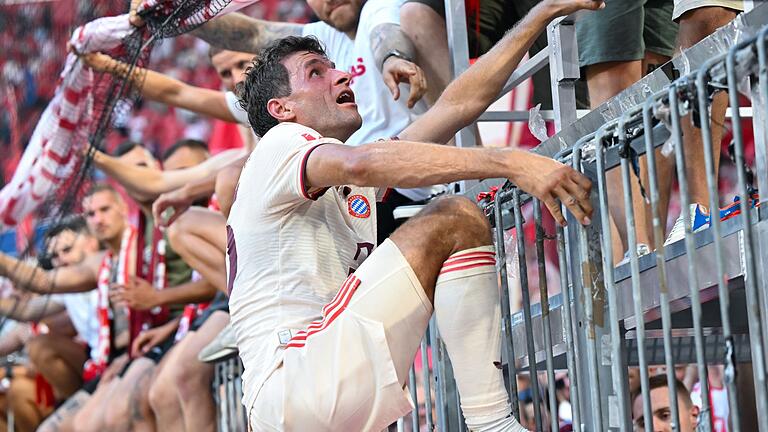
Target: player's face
(343,15)
(662,413)
(320,96)
(139,156)
(69,248)
(105,214)
(185,157)
(231,66)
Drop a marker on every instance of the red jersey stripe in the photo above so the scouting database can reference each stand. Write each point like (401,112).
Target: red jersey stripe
(299,340)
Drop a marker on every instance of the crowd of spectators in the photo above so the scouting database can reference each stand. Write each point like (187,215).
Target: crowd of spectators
(33,38)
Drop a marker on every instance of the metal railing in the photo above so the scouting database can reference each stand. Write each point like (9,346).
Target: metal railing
(699,301)
(227,389)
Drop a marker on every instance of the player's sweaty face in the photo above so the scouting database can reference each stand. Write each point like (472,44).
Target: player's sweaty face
(320,96)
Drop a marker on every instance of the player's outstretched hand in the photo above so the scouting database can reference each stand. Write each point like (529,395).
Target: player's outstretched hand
(567,7)
(178,200)
(397,70)
(553,182)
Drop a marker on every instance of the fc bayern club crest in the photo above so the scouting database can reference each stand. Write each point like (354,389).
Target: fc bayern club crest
(358,206)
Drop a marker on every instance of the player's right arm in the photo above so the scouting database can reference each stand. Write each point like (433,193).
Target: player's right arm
(238,32)
(162,88)
(26,309)
(148,183)
(77,278)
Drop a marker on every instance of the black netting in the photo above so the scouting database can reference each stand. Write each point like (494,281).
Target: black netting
(174,17)
(114,97)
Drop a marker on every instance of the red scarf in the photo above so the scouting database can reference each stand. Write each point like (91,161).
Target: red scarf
(95,366)
(156,275)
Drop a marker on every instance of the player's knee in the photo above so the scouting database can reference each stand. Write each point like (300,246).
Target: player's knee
(465,216)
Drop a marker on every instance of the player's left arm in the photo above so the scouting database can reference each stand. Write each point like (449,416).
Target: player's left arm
(473,91)
(394,54)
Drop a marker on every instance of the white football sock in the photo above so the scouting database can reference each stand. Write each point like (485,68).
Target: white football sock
(469,319)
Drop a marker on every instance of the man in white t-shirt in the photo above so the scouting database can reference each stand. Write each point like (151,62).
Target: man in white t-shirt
(327,327)
(59,358)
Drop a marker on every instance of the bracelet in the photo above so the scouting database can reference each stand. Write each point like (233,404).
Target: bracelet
(398,54)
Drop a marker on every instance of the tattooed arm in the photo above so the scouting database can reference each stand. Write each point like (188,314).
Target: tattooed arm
(388,37)
(394,52)
(238,32)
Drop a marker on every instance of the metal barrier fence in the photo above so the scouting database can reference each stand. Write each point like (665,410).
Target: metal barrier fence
(699,301)
(228,393)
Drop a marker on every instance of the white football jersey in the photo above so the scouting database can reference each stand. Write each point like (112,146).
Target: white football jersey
(288,249)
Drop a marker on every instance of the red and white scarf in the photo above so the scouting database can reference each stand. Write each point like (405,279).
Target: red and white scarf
(53,150)
(155,274)
(95,366)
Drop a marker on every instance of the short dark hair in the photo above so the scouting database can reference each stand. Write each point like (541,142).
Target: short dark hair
(101,187)
(192,144)
(74,223)
(658,381)
(267,78)
(124,147)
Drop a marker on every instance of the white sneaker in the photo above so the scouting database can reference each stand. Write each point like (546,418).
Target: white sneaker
(700,221)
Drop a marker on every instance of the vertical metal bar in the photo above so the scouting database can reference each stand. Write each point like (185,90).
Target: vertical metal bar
(458,46)
(758,93)
(243,417)
(223,392)
(400,425)
(705,418)
(523,266)
(571,353)
(759,104)
(544,301)
(427,384)
(661,265)
(231,392)
(506,314)
(563,70)
(618,368)
(637,295)
(462,426)
(754,312)
(438,365)
(414,396)
(589,318)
